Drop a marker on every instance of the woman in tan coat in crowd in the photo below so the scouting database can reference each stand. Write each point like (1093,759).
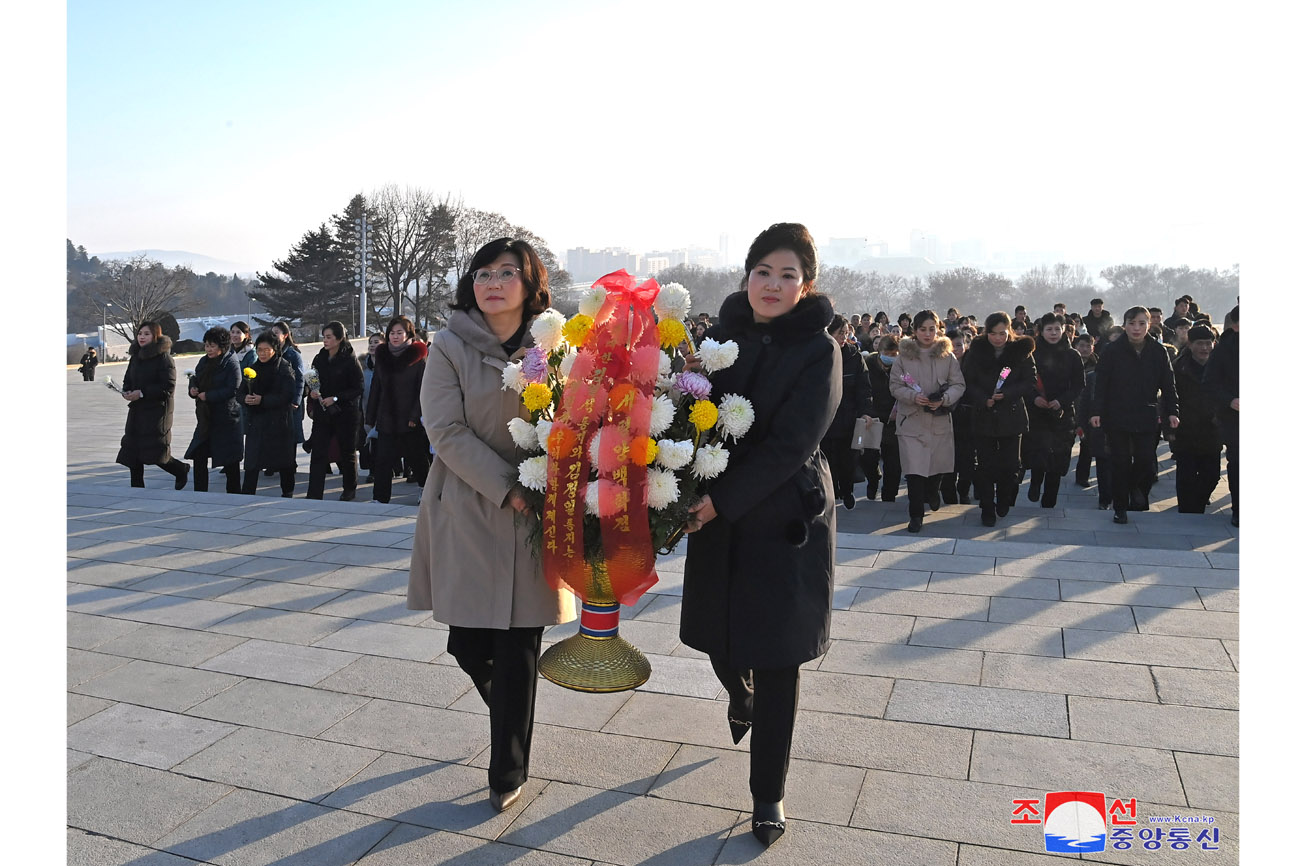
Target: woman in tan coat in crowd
(926,382)
(471,563)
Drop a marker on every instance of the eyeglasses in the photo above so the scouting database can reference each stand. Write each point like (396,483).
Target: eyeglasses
(483,276)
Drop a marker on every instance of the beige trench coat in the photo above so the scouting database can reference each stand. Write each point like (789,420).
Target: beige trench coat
(925,443)
(471,563)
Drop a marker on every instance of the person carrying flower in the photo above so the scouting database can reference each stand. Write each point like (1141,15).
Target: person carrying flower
(471,563)
(266,391)
(760,558)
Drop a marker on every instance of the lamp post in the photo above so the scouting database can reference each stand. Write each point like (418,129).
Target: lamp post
(103,333)
(361,274)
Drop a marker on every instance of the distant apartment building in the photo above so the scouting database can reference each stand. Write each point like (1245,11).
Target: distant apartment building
(586,265)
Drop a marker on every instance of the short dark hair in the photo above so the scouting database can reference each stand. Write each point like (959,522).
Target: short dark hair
(885,342)
(1020,308)
(1233,317)
(407,325)
(922,317)
(537,287)
(1058,304)
(1051,319)
(219,337)
(1155,310)
(1096,301)
(837,322)
(1083,337)
(340,332)
(270,339)
(999,318)
(1133,312)
(784,236)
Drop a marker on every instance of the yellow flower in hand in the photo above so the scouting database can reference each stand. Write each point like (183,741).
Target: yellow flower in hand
(536,397)
(703,415)
(250,373)
(671,333)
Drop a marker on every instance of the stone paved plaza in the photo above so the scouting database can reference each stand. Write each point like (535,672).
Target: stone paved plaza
(246,686)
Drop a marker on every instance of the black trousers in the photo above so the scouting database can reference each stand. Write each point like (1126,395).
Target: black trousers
(774,697)
(841,459)
(1195,478)
(251,473)
(997,465)
(320,463)
(1232,445)
(412,445)
(920,490)
(1132,457)
(201,456)
(171,467)
(503,665)
(887,453)
(1083,469)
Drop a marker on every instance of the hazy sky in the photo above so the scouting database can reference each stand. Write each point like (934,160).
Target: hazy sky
(229,129)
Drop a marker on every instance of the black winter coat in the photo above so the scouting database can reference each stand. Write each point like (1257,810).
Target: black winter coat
(1126,386)
(981,368)
(882,399)
(1097,325)
(1198,430)
(217,415)
(1051,431)
(1223,382)
(340,377)
(148,435)
(395,389)
(757,587)
(89,361)
(268,427)
(856,392)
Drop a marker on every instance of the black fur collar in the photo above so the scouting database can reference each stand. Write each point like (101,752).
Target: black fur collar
(160,346)
(810,315)
(980,354)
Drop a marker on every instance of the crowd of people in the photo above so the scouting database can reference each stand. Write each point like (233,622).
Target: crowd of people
(967,405)
(958,405)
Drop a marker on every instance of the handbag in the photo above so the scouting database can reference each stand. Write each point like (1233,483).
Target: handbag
(867,435)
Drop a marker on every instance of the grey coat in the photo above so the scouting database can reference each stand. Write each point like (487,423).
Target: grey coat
(471,563)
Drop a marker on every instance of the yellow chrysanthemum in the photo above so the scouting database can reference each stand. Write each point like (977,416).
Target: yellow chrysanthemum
(576,330)
(671,333)
(703,415)
(537,396)
(250,373)
(644,450)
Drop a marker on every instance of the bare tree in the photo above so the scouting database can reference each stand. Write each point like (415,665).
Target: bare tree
(409,238)
(139,289)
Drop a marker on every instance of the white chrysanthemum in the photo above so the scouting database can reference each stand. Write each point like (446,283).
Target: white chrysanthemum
(543,430)
(710,461)
(524,434)
(673,455)
(735,415)
(512,377)
(593,449)
(548,330)
(591,302)
(673,302)
(532,473)
(567,362)
(717,356)
(661,414)
(665,364)
(593,498)
(661,488)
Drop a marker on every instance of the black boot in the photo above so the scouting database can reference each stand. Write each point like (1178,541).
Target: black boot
(1051,487)
(769,821)
(915,502)
(1035,485)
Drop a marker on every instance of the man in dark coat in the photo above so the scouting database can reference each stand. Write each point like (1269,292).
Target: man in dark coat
(1197,443)
(1223,387)
(1083,344)
(855,403)
(216,431)
(1129,374)
(149,385)
(88,363)
(1098,321)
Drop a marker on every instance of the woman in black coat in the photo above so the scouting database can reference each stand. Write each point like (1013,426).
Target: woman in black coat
(1129,373)
(335,409)
(878,364)
(1197,444)
(268,426)
(148,387)
(216,431)
(1051,412)
(757,589)
(855,403)
(1000,375)
(88,363)
(393,407)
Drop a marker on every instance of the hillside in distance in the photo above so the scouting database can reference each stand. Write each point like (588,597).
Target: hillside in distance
(198,263)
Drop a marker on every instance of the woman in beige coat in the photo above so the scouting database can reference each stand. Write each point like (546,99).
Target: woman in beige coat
(471,563)
(926,382)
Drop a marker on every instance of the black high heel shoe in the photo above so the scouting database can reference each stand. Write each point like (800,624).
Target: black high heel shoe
(739,721)
(501,801)
(769,821)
